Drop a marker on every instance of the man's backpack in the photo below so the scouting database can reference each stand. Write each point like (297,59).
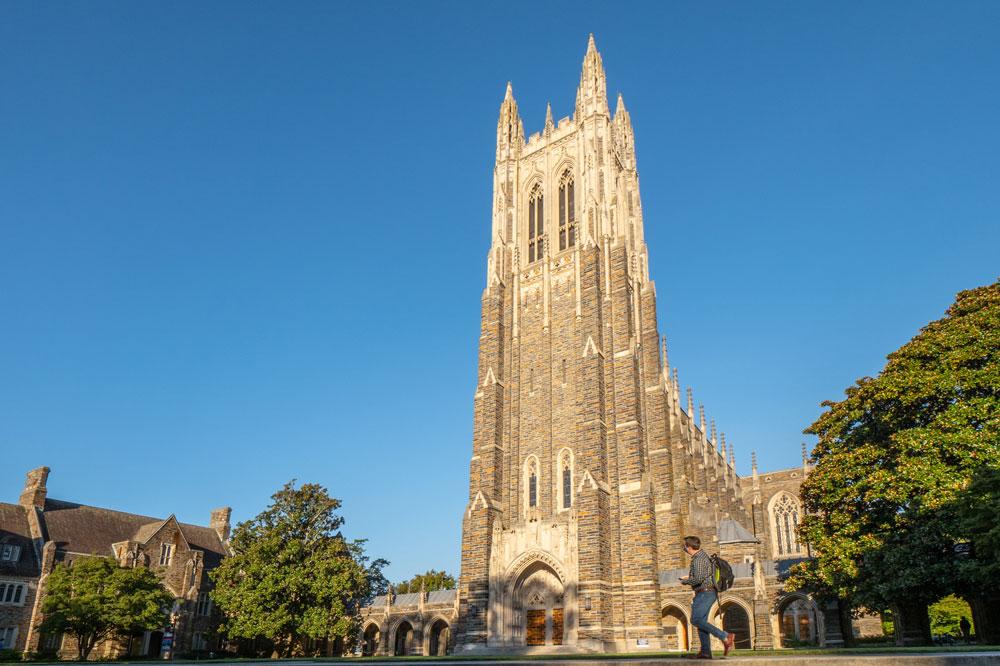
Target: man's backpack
(722,573)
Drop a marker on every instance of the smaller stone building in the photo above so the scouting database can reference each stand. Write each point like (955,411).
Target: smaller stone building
(39,533)
(417,623)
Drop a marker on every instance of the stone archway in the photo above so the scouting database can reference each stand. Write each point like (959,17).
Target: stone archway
(403,639)
(798,622)
(369,646)
(534,581)
(538,604)
(675,629)
(735,619)
(438,638)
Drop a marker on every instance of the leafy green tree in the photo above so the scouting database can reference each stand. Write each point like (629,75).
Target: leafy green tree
(292,575)
(977,509)
(96,599)
(893,460)
(946,615)
(429,581)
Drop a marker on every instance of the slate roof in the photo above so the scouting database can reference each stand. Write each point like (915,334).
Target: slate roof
(14,529)
(731,531)
(79,528)
(413,598)
(441,597)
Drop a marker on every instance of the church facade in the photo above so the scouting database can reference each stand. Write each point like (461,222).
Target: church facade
(588,465)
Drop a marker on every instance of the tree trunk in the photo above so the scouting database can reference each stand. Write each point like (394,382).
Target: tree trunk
(912,623)
(986,617)
(846,623)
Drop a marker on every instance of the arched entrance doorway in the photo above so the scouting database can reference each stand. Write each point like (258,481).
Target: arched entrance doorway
(538,602)
(798,623)
(370,644)
(675,629)
(404,639)
(735,620)
(440,637)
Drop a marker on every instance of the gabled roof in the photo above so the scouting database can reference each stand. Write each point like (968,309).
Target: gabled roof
(14,530)
(90,530)
(731,531)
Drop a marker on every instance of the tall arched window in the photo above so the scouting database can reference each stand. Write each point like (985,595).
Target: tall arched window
(531,481)
(566,466)
(784,525)
(567,212)
(536,224)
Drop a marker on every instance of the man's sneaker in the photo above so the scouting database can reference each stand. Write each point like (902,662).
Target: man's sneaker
(728,645)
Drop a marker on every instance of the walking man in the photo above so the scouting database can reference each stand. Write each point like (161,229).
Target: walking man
(701,578)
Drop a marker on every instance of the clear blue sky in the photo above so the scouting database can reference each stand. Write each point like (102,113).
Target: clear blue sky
(245,242)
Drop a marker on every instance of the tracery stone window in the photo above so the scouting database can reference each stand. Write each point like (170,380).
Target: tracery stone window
(566,476)
(536,224)
(785,512)
(531,482)
(567,212)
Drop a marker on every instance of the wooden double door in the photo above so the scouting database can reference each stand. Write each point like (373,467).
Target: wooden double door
(535,629)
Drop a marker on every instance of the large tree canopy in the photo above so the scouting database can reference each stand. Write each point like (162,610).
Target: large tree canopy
(895,461)
(292,574)
(96,599)
(429,581)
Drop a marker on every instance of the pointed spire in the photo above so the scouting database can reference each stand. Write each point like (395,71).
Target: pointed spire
(620,107)
(722,449)
(753,468)
(549,125)
(805,458)
(510,129)
(664,358)
(701,420)
(592,95)
(715,434)
(690,409)
(732,457)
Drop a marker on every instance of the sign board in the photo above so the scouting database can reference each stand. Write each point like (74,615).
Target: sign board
(642,642)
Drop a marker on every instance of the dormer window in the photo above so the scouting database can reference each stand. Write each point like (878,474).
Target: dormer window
(567,212)
(536,225)
(10,553)
(166,554)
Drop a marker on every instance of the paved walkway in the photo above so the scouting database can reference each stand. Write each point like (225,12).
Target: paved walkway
(877,659)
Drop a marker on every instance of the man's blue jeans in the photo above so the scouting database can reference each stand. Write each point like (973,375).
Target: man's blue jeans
(700,608)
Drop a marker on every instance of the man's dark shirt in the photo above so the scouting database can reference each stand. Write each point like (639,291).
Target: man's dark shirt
(700,577)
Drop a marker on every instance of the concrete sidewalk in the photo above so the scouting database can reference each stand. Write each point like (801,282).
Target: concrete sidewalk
(876,659)
(879,659)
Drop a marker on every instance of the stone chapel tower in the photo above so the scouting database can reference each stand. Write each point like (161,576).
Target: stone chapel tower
(585,470)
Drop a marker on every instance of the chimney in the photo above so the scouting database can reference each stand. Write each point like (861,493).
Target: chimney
(220,522)
(34,488)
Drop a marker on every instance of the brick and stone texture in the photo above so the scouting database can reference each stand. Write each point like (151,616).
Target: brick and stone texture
(586,471)
(50,533)
(417,623)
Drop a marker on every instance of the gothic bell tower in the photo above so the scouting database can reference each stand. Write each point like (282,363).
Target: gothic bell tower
(571,476)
